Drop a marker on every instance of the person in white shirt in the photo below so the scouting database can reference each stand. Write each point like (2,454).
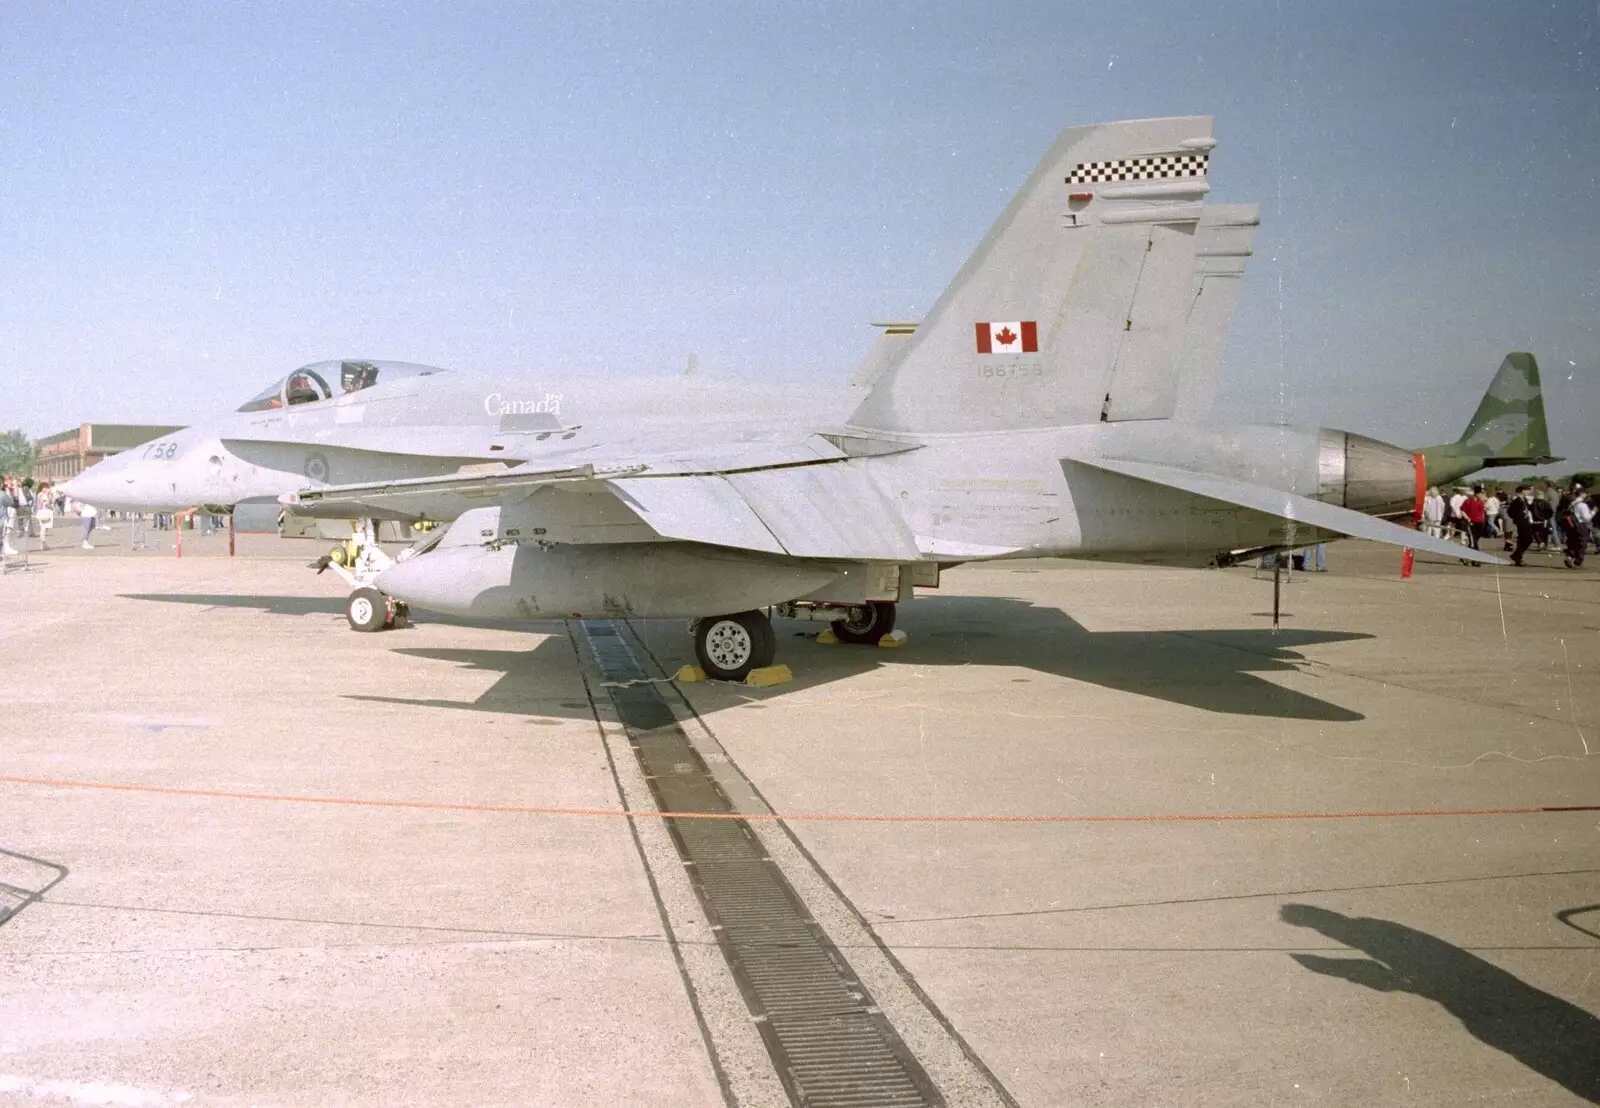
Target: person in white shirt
(1491,514)
(44,511)
(1576,527)
(1455,517)
(88,514)
(1433,513)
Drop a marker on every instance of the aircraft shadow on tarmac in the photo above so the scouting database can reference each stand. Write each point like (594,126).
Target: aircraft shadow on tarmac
(1543,1032)
(1214,670)
(38,877)
(291,606)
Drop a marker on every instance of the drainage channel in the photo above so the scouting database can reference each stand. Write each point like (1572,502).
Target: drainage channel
(829,1042)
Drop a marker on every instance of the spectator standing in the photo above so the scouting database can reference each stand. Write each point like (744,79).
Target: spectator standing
(44,510)
(1544,515)
(1433,513)
(1491,514)
(1473,511)
(1453,515)
(25,503)
(1521,516)
(88,513)
(1553,497)
(1582,520)
(8,513)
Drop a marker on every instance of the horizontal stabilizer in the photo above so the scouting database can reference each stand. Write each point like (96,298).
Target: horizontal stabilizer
(1499,462)
(1286,505)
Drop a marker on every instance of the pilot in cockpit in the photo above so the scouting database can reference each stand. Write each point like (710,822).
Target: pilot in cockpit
(300,390)
(355,376)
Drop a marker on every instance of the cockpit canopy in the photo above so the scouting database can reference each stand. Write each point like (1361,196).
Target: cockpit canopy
(311,384)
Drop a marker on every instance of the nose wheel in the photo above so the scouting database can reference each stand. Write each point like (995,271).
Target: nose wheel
(729,647)
(369,610)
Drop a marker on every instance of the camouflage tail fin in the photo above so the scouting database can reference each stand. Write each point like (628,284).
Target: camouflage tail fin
(1509,426)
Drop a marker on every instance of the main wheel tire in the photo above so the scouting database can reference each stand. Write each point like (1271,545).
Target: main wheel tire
(866,623)
(729,647)
(367,609)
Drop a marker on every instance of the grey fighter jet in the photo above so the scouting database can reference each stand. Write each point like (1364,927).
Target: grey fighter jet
(1037,411)
(1053,403)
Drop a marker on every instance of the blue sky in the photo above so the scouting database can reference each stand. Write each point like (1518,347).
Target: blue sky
(195,198)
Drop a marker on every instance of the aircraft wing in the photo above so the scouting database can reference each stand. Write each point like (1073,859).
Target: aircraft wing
(420,492)
(1285,505)
(805,508)
(440,441)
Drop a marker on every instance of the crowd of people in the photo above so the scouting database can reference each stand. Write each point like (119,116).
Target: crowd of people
(1545,518)
(29,509)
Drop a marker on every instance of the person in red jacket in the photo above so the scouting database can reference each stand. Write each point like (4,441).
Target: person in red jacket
(1473,508)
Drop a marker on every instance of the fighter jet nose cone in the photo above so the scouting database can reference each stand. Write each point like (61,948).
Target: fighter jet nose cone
(86,488)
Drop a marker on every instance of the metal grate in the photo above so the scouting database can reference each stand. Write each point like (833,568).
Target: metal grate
(830,1044)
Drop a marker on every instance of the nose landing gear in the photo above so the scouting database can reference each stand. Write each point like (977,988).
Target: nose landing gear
(359,561)
(370,610)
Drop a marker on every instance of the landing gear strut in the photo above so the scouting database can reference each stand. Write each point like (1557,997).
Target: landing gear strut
(729,647)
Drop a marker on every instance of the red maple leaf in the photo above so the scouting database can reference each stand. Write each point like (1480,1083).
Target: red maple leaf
(1005,337)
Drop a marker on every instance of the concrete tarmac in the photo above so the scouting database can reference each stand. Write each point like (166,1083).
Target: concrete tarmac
(281,933)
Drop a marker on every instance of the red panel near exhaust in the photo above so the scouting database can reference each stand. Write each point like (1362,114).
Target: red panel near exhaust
(1421,468)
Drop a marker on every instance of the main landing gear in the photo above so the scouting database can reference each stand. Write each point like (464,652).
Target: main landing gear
(729,647)
(865,624)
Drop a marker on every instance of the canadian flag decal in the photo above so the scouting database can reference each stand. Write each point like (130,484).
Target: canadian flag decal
(1015,337)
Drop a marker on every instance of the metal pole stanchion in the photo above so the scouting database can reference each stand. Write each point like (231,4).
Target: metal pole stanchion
(1277,587)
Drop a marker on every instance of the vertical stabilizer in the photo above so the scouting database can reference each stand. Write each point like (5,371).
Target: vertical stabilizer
(1507,430)
(1222,250)
(1073,308)
(1509,421)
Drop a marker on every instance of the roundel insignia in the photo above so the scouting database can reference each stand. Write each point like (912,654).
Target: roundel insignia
(316,467)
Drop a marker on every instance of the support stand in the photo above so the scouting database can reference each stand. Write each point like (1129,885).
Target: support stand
(1277,587)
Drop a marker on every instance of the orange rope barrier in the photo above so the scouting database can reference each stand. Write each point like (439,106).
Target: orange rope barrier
(800,817)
